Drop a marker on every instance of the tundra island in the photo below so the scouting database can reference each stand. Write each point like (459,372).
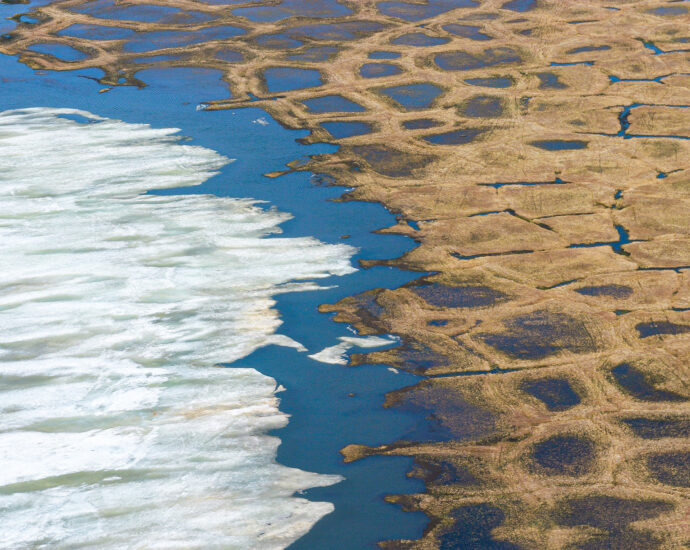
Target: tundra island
(537,151)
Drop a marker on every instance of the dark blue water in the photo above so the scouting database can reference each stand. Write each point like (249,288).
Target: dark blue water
(658,79)
(557,394)
(324,418)
(149,13)
(27,19)
(10,10)
(520,5)
(467,31)
(559,144)
(421,124)
(624,121)
(415,12)
(557,181)
(347,30)
(380,54)
(491,82)
(550,81)
(346,128)
(669,11)
(653,47)
(413,96)
(291,8)
(156,58)
(96,32)
(418,40)
(638,384)
(315,54)
(456,137)
(283,79)
(332,104)
(483,106)
(588,49)
(616,246)
(378,70)
(279,41)
(148,41)
(567,64)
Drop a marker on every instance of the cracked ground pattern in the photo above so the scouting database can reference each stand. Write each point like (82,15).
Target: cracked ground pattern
(537,151)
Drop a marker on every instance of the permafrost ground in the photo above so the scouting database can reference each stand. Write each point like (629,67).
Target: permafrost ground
(537,150)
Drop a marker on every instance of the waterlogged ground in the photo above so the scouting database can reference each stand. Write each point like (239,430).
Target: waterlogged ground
(537,151)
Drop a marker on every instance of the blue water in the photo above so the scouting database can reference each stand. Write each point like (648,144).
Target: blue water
(280,41)
(315,54)
(421,124)
(27,19)
(623,117)
(520,5)
(456,137)
(108,9)
(324,418)
(96,32)
(380,54)
(467,31)
(346,128)
(559,144)
(291,8)
(415,12)
(348,30)
(378,70)
(616,246)
(669,11)
(61,51)
(419,40)
(567,64)
(651,46)
(491,82)
(283,79)
(10,10)
(588,49)
(482,106)
(550,80)
(332,104)
(413,96)
(148,41)
(658,79)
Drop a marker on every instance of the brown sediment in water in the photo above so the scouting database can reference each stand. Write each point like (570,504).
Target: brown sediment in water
(549,193)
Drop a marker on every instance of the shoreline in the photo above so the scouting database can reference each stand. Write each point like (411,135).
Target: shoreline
(308,328)
(539,162)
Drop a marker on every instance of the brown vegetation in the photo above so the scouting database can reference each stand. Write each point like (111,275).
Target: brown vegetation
(543,170)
